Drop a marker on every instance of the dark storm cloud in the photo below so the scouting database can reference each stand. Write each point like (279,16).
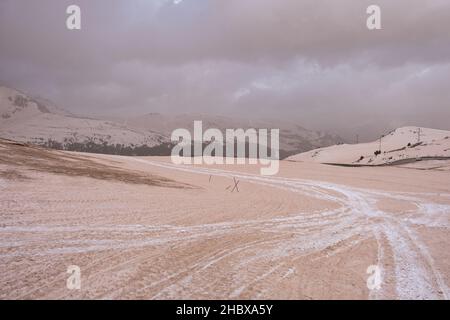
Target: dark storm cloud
(314,61)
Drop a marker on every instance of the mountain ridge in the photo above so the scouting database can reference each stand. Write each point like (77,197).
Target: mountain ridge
(37,120)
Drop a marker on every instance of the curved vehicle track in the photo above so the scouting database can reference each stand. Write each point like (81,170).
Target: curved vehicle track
(415,273)
(267,256)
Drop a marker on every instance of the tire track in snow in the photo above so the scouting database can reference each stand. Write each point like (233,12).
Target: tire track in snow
(416,275)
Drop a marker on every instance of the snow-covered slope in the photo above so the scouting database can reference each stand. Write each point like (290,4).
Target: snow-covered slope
(400,144)
(27,119)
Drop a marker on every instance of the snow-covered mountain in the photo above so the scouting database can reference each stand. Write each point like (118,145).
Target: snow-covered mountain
(399,146)
(36,120)
(293,138)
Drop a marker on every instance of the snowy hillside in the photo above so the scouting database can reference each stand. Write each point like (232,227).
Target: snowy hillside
(396,147)
(26,119)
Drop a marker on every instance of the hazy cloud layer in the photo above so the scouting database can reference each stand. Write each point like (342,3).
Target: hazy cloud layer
(310,61)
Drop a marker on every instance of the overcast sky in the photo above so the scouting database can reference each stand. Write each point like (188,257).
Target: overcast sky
(309,61)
